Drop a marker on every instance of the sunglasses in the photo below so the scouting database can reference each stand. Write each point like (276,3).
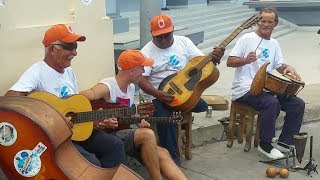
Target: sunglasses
(163,36)
(68,46)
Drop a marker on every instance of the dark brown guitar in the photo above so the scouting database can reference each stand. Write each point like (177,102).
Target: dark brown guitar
(200,73)
(124,122)
(35,143)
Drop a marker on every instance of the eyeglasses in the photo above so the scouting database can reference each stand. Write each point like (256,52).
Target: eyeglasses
(68,46)
(163,36)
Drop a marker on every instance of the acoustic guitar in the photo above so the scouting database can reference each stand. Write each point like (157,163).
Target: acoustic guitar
(200,73)
(78,107)
(35,144)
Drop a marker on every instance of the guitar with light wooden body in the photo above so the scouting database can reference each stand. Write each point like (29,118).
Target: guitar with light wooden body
(27,124)
(79,108)
(200,73)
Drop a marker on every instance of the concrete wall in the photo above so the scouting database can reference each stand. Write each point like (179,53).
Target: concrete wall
(22,26)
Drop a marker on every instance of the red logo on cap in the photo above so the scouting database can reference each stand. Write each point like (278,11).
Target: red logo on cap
(161,23)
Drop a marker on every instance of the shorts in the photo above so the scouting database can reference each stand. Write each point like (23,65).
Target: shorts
(127,137)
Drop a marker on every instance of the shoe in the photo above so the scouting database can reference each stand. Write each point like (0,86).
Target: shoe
(268,150)
(282,147)
(164,9)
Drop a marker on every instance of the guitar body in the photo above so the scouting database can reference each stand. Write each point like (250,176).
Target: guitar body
(35,122)
(75,103)
(15,111)
(187,86)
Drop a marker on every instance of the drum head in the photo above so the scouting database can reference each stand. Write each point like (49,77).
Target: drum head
(293,79)
(275,74)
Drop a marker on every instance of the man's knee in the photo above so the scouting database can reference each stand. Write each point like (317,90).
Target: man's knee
(300,104)
(163,153)
(144,135)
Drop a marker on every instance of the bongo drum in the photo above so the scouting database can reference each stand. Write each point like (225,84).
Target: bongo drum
(294,87)
(276,83)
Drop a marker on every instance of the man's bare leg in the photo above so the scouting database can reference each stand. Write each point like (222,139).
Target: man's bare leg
(168,168)
(145,140)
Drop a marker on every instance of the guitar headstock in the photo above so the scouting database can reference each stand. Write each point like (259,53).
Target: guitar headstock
(251,21)
(145,108)
(176,117)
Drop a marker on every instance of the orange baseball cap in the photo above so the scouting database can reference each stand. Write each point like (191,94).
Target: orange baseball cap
(61,32)
(129,59)
(161,24)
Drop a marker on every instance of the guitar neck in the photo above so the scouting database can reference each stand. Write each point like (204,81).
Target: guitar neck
(224,43)
(102,114)
(234,34)
(162,120)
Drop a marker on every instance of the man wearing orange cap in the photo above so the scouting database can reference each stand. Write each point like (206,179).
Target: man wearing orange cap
(139,143)
(171,53)
(54,75)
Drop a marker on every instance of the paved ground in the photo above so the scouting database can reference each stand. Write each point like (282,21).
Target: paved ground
(216,161)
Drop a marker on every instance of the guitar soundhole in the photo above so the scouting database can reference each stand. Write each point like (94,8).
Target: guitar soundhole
(192,72)
(72,115)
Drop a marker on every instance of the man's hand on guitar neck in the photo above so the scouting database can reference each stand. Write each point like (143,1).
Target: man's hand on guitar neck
(217,54)
(143,124)
(111,123)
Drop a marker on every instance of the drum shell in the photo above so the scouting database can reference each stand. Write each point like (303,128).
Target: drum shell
(293,88)
(276,85)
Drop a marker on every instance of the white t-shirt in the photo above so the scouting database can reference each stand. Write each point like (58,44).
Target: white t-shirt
(41,77)
(118,96)
(167,61)
(267,51)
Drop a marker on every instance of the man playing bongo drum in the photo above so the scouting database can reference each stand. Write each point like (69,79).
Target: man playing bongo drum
(250,52)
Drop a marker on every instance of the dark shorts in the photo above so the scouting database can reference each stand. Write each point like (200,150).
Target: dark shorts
(127,137)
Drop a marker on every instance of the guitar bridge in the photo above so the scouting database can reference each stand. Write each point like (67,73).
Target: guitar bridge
(175,87)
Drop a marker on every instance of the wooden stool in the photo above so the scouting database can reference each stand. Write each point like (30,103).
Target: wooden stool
(216,102)
(243,111)
(186,124)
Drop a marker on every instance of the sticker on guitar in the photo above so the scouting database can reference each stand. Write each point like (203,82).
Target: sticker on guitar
(27,162)
(8,134)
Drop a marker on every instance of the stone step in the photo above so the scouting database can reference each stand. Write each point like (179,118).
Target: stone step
(179,15)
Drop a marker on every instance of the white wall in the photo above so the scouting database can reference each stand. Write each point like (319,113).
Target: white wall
(22,26)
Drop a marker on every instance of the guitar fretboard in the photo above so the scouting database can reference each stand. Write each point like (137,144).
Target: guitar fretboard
(224,43)
(162,120)
(103,114)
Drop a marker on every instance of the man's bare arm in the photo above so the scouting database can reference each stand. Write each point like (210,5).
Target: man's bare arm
(97,92)
(16,93)
(146,86)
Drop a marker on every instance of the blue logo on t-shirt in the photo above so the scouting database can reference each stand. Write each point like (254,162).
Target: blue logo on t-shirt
(174,61)
(265,53)
(64,91)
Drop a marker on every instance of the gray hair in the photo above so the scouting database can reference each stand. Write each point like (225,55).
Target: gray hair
(47,47)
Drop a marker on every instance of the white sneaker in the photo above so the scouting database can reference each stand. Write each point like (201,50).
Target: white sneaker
(268,150)
(282,147)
